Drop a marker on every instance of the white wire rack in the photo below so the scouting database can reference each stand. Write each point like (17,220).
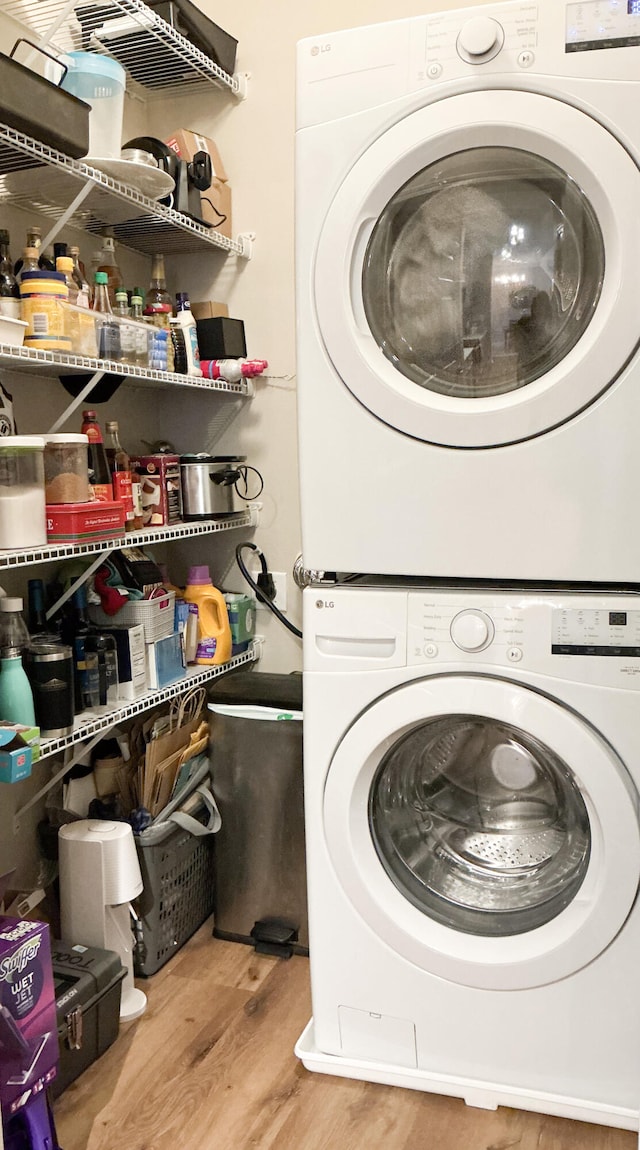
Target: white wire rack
(137,221)
(156,56)
(33,360)
(31,557)
(88,726)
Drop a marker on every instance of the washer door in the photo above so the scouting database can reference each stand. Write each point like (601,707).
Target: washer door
(476,276)
(485,832)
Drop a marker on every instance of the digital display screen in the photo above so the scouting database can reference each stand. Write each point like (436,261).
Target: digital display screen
(618,618)
(633,7)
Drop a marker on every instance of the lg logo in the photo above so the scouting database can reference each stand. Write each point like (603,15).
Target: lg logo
(320,603)
(319,48)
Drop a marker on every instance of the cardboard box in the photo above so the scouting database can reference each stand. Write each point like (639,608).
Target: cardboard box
(28,1026)
(161,489)
(216,208)
(185,143)
(209,309)
(132,671)
(165,661)
(19,750)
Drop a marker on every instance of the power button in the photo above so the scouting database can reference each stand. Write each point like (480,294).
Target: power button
(430,650)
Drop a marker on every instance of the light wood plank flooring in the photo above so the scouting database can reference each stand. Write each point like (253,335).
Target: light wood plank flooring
(210,1066)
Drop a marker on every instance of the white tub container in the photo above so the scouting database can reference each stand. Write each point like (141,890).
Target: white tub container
(22,505)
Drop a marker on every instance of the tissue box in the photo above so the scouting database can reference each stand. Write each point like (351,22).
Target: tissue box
(28,1027)
(19,750)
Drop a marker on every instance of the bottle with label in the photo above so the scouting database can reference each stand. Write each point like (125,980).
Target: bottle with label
(103,646)
(29,261)
(99,471)
(34,242)
(214,629)
(157,304)
(9,290)
(178,339)
(122,479)
(122,311)
(78,273)
(186,320)
(109,265)
(75,629)
(108,333)
(142,337)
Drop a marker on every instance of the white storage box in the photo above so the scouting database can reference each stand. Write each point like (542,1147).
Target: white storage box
(156,616)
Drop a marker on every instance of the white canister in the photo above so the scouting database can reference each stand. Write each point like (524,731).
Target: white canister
(22,505)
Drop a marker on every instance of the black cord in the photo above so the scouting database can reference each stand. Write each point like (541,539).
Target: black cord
(222,216)
(260,594)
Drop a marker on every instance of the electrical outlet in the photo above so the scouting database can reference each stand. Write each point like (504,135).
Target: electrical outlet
(280,584)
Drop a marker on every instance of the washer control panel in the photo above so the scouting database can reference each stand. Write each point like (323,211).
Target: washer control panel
(596,24)
(604,633)
(574,636)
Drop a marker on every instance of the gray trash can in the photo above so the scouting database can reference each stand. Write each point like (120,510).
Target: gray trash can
(256,759)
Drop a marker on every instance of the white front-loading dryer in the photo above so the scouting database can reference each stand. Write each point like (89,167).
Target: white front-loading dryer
(468,276)
(472,766)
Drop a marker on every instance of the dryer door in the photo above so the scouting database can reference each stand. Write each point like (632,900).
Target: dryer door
(476,277)
(482,830)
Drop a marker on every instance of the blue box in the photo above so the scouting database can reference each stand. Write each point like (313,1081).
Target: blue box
(165,661)
(16,755)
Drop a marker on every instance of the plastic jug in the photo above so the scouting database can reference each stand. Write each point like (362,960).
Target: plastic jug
(214,630)
(100,82)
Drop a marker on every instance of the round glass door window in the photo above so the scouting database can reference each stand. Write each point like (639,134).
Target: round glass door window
(479,825)
(483,272)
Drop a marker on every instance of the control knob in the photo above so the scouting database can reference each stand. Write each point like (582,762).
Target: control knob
(480,37)
(472,630)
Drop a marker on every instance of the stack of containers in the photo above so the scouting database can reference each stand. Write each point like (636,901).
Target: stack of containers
(72,516)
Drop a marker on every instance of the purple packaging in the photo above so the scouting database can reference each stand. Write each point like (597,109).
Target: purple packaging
(28,1028)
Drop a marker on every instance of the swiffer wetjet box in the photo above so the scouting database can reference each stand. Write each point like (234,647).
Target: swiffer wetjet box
(28,1027)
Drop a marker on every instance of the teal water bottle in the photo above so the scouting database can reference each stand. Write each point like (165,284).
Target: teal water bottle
(16,696)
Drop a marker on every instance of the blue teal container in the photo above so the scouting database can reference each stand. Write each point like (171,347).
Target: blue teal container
(16,697)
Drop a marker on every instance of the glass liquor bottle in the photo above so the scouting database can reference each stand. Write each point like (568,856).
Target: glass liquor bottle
(99,471)
(9,290)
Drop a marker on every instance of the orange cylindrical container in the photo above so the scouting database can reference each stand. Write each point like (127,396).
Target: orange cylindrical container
(214,630)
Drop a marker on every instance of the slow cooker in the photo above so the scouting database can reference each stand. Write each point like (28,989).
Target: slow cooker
(215,485)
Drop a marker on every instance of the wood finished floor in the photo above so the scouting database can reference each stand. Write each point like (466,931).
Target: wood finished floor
(210,1066)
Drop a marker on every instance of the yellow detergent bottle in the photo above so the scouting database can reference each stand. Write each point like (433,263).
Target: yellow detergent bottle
(214,630)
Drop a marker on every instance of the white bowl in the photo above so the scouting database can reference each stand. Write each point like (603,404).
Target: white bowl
(12,331)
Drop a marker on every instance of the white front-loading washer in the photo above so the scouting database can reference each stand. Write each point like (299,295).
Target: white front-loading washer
(472,769)
(468,293)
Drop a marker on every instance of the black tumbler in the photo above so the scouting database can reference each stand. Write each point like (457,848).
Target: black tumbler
(49,667)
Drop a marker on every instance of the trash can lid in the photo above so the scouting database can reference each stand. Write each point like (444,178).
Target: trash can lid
(259,688)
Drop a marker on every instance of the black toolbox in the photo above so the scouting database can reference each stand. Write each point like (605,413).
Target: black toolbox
(88,986)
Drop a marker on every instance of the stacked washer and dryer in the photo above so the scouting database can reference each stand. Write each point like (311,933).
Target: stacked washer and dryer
(468,292)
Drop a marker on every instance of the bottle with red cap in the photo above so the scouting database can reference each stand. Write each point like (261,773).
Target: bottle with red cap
(99,470)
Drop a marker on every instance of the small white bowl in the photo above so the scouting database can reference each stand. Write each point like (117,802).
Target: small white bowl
(12,331)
